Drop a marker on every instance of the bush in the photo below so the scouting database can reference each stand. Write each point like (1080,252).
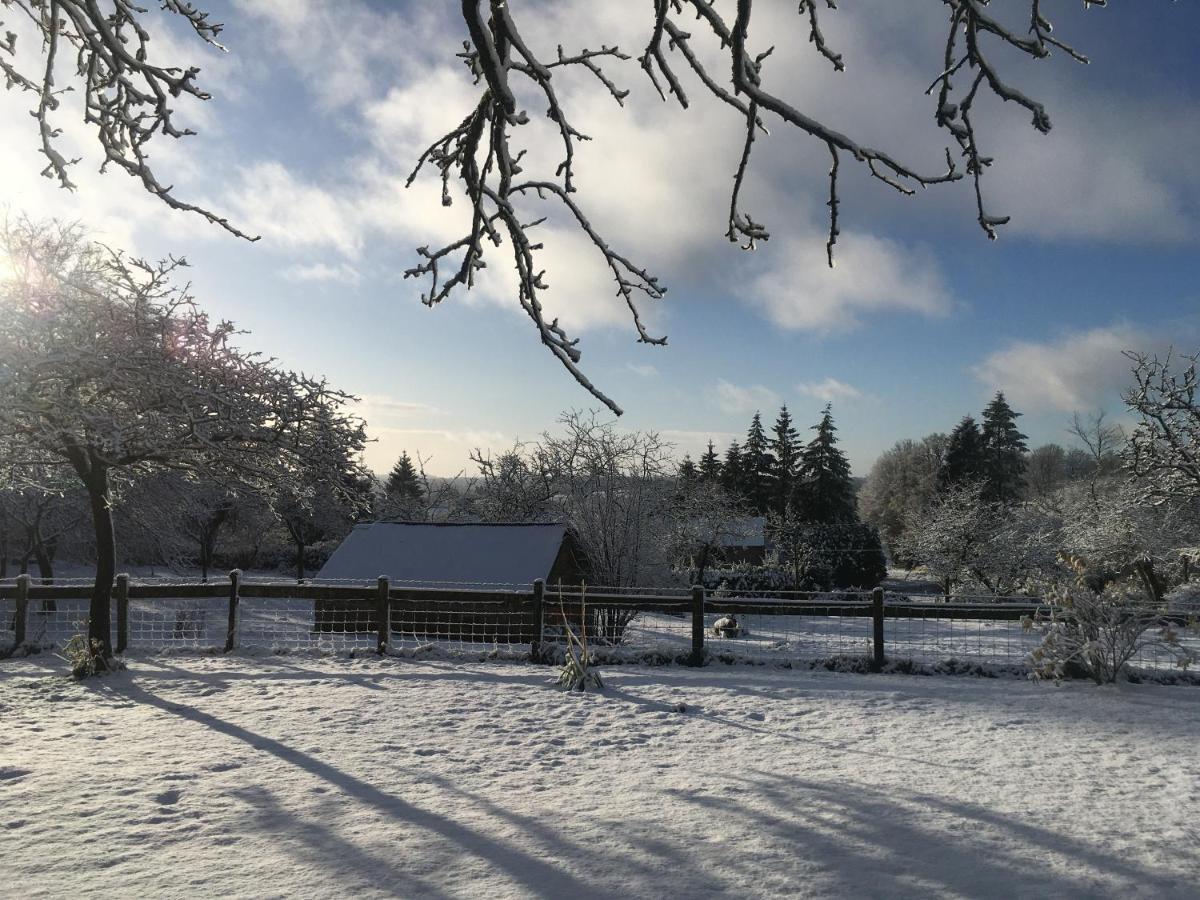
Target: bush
(87,658)
(1095,633)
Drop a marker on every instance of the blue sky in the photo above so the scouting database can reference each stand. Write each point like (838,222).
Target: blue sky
(319,110)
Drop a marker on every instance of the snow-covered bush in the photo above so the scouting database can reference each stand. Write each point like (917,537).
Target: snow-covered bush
(1096,632)
(577,673)
(87,657)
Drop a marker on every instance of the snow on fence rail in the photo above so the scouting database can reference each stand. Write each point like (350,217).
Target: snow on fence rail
(685,626)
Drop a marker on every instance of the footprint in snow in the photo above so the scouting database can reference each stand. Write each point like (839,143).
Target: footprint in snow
(14,774)
(168,798)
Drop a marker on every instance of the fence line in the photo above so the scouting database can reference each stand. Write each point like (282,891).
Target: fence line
(387,615)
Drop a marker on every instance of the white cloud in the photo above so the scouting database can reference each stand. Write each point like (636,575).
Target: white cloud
(1077,371)
(645,371)
(872,275)
(288,212)
(319,271)
(830,389)
(732,398)
(374,407)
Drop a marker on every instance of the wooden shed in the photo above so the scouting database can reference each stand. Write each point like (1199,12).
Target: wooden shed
(497,558)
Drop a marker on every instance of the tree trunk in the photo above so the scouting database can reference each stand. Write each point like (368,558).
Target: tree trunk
(45,564)
(299,562)
(99,618)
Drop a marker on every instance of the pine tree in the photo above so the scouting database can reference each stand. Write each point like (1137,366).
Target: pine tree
(785,447)
(731,470)
(710,465)
(825,493)
(403,483)
(687,470)
(758,466)
(1003,452)
(964,460)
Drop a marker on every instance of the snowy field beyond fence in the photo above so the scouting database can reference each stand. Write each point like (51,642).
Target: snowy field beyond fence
(307,775)
(623,626)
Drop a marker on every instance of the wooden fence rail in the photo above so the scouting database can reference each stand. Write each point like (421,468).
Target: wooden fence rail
(513,616)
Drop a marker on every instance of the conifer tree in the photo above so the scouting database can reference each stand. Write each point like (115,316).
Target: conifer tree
(758,465)
(687,470)
(964,460)
(710,465)
(403,482)
(731,471)
(1003,452)
(785,447)
(825,492)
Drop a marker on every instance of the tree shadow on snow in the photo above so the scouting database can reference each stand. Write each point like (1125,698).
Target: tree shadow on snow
(863,842)
(534,873)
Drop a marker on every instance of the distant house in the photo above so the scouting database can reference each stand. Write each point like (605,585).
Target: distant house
(495,558)
(454,555)
(747,542)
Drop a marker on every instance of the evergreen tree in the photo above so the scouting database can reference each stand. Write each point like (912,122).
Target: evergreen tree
(687,470)
(403,482)
(710,465)
(731,470)
(964,461)
(825,493)
(758,467)
(1003,452)
(785,447)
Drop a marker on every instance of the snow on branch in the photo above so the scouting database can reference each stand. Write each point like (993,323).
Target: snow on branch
(478,153)
(125,96)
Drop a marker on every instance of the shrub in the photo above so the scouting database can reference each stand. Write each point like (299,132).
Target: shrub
(87,657)
(1095,633)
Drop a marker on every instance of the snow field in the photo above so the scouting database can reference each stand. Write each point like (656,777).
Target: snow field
(312,776)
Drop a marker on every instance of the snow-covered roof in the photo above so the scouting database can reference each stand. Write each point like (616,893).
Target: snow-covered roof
(447,554)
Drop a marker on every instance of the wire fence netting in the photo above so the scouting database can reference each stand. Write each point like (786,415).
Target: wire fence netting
(618,623)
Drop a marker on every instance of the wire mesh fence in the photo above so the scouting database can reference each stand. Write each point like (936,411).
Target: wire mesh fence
(620,624)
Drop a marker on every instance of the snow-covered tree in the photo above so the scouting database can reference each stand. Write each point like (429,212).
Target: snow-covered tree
(963,461)
(785,450)
(1003,451)
(1164,448)
(901,483)
(107,365)
(709,468)
(825,492)
(963,539)
(702,519)
(731,470)
(404,483)
(757,468)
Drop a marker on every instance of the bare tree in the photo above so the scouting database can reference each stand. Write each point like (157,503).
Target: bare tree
(106,365)
(1164,448)
(703,520)
(128,98)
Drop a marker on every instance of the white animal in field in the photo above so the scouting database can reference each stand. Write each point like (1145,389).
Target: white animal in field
(728,627)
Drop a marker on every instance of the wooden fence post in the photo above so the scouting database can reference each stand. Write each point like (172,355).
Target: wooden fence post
(121,594)
(383,613)
(877,629)
(538,621)
(22,614)
(697,625)
(235,581)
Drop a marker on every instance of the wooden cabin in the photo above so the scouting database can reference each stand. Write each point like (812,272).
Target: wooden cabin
(458,558)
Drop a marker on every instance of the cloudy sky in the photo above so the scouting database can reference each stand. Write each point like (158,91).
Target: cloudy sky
(319,110)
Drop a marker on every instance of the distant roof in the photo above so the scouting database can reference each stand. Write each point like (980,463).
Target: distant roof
(447,554)
(749,531)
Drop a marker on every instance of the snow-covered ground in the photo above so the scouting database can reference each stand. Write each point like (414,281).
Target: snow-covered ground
(315,776)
